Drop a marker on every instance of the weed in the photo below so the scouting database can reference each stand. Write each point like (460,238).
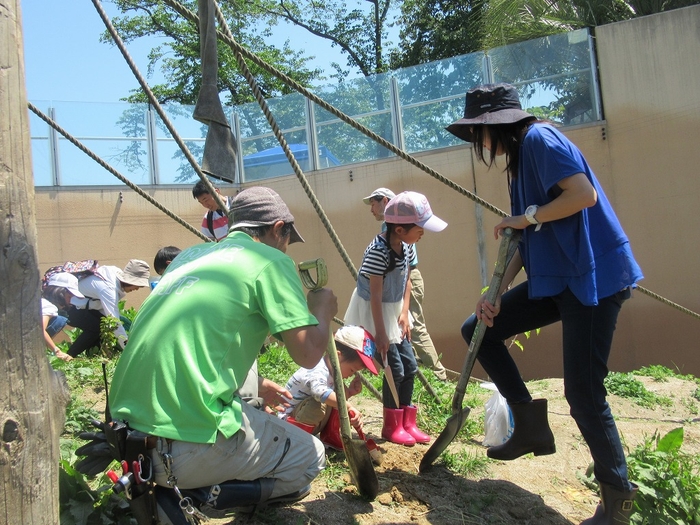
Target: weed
(668,479)
(658,373)
(625,385)
(275,363)
(466,464)
(335,473)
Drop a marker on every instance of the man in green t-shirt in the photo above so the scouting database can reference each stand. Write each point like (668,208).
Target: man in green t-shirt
(193,342)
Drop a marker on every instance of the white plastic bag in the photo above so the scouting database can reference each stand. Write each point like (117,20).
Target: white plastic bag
(498,419)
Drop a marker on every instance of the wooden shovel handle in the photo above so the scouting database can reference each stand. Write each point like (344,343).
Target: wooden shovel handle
(506,250)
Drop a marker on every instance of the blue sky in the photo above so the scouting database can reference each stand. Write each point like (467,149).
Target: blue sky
(64,60)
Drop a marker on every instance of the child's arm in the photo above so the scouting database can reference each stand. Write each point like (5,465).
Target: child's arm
(381,339)
(353,413)
(404,322)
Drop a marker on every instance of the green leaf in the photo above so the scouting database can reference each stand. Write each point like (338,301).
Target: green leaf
(672,441)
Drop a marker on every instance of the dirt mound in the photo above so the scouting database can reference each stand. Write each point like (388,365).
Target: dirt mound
(544,490)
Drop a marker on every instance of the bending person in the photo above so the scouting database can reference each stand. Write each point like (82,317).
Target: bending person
(580,271)
(60,289)
(103,290)
(193,342)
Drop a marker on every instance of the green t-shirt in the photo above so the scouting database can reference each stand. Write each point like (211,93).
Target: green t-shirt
(199,332)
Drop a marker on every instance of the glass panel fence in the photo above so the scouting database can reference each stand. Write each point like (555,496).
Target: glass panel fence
(555,76)
(432,96)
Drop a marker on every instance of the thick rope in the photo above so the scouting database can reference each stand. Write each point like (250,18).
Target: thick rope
(156,105)
(288,153)
(235,46)
(114,172)
(241,51)
(668,302)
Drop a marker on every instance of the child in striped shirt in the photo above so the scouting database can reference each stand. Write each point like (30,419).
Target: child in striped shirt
(380,304)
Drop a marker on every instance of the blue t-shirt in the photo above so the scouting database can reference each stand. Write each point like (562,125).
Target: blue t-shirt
(588,251)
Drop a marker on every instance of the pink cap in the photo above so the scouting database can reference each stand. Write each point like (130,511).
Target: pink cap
(409,207)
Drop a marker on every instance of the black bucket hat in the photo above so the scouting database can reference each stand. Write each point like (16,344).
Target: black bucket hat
(489,104)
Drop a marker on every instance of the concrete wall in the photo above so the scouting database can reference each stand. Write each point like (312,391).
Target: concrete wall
(643,155)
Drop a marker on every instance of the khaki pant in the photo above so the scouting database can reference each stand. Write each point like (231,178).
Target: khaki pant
(311,412)
(420,338)
(264,447)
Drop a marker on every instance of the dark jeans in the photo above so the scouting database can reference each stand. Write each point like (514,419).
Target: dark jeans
(89,322)
(404,368)
(587,337)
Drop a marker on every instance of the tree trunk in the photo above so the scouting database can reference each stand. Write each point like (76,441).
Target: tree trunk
(32,396)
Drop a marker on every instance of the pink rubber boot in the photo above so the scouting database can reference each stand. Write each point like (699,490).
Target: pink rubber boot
(409,424)
(393,428)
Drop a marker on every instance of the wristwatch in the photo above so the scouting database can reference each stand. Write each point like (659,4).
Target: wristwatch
(530,216)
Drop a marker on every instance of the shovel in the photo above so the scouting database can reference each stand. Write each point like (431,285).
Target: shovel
(456,421)
(372,447)
(358,456)
(374,452)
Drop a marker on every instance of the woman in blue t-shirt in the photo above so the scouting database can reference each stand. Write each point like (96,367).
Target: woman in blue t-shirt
(580,270)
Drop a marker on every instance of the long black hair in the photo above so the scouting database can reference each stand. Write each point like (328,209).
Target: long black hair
(510,136)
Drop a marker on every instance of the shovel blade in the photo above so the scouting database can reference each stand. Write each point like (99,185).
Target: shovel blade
(361,468)
(454,424)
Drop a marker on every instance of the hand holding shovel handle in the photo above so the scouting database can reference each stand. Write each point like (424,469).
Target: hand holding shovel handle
(359,461)
(455,422)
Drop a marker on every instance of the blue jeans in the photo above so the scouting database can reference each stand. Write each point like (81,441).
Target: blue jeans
(55,325)
(404,368)
(587,337)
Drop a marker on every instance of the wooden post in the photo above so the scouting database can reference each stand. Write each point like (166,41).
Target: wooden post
(32,396)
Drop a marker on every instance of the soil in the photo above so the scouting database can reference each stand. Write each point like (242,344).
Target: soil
(545,490)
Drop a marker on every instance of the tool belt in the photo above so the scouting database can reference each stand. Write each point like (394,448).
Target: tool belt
(117,441)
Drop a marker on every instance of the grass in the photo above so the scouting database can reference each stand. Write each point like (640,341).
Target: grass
(466,463)
(625,385)
(668,477)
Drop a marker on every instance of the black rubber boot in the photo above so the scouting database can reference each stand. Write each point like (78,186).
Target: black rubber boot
(531,433)
(615,507)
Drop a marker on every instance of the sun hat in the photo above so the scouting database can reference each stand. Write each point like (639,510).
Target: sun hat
(489,104)
(135,273)
(261,206)
(409,207)
(67,281)
(379,193)
(361,341)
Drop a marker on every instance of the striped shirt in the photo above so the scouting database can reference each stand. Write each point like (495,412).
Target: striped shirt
(219,223)
(375,260)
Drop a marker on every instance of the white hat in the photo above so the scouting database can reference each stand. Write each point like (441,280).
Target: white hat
(361,341)
(67,281)
(409,207)
(379,193)
(135,273)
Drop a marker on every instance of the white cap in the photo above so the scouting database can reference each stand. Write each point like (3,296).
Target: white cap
(379,193)
(67,281)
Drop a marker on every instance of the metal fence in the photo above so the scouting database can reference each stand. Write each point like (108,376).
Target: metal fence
(555,76)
